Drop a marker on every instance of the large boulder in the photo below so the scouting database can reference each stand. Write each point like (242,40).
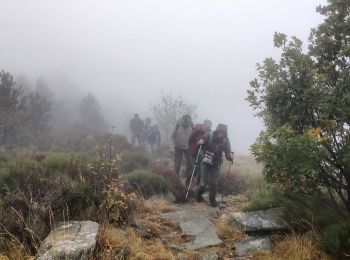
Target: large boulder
(74,240)
(259,221)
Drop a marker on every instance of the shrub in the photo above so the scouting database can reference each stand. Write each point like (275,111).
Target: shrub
(133,160)
(147,183)
(234,184)
(335,239)
(306,212)
(177,188)
(116,207)
(37,190)
(263,197)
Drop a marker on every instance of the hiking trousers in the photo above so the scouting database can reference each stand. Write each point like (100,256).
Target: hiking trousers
(209,175)
(178,159)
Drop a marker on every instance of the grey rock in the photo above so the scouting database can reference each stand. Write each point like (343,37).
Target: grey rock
(269,220)
(196,223)
(189,214)
(252,245)
(208,256)
(74,240)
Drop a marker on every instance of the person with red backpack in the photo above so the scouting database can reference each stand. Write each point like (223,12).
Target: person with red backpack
(198,131)
(214,145)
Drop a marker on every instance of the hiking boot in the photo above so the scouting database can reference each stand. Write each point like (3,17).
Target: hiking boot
(213,202)
(199,197)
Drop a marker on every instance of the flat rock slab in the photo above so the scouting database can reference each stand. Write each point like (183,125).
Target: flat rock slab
(74,240)
(191,214)
(194,222)
(259,221)
(252,245)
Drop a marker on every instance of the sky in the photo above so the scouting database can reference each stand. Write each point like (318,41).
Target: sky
(127,51)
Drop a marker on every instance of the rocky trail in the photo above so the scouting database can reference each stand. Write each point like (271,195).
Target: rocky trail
(189,231)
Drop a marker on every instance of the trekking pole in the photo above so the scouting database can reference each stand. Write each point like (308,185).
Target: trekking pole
(194,170)
(229,170)
(228,173)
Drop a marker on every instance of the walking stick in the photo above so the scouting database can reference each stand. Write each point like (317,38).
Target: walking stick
(194,169)
(228,173)
(229,170)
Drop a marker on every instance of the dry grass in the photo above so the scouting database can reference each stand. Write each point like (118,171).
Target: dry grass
(293,247)
(112,241)
(158,206)
(147,249)
(16,253)
(228,232)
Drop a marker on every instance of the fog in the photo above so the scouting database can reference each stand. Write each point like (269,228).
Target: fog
(125,52)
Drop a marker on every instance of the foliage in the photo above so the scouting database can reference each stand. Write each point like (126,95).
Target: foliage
(133,159)
(336,238)
(36,116)
(263,197)
(293,247)
(177,188)
(9,107)
(90,114)
(232,184)
(40,189)
(147,183)
(304,101)
(169,110)
(116,207)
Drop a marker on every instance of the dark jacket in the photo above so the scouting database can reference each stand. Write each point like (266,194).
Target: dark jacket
(217,146)
(136,126)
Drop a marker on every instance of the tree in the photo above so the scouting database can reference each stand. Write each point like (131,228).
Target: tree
(90,114)
(304,100)
(169,110)
(9,107)
(36,111)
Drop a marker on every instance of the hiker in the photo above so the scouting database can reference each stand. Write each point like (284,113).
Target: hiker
(198,131)
(146,129)
(214,144)
(154,138)
(136,128)
(181,136)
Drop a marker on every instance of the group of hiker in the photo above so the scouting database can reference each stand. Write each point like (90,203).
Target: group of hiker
(202,148)
(144,133)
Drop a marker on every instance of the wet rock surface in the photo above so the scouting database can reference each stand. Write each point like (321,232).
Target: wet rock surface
(252,245)
(259,221)
(74,240)
(196,222)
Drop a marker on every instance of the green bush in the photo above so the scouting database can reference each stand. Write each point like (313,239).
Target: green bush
(147,183)
(263,197)
(335,239)
(133,160)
